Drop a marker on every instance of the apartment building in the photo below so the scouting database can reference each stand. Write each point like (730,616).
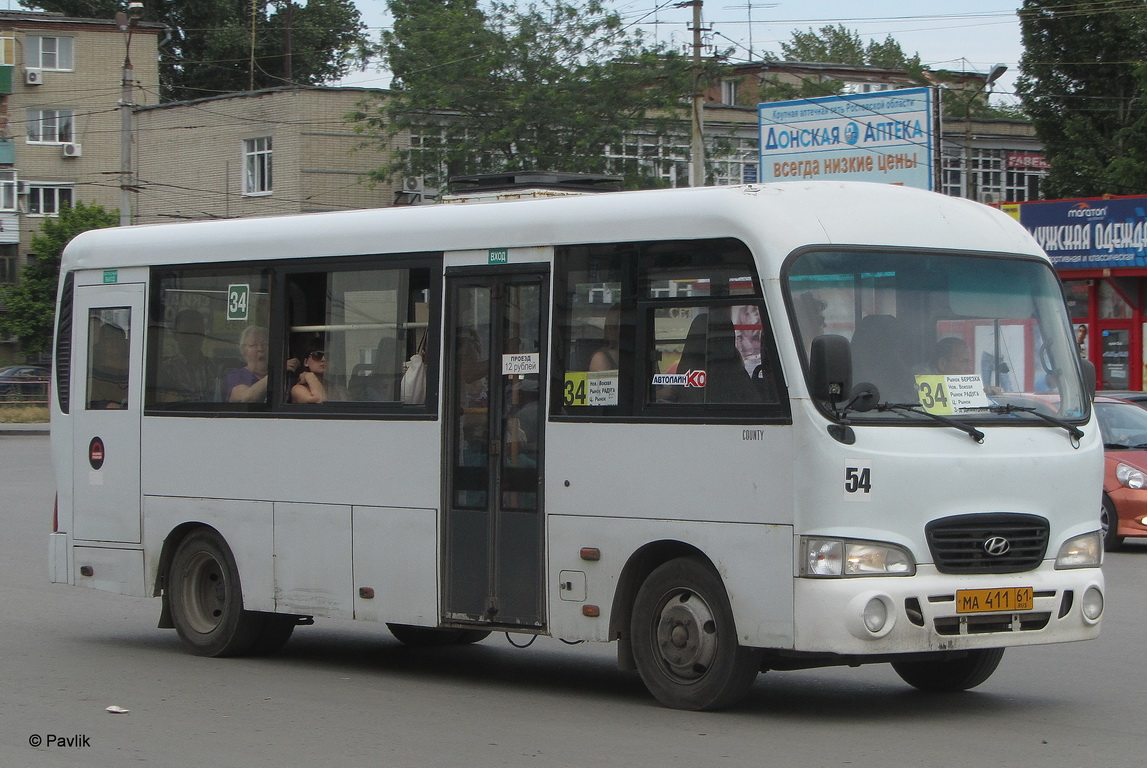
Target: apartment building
(61,84)
(259,153)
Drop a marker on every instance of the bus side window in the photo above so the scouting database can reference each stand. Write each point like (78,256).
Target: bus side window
(367,323)
(109,342)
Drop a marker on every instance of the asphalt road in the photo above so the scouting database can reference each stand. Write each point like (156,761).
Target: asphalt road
(342,694)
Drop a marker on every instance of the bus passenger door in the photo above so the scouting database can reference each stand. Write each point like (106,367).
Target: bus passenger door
(107,356)
(495,357)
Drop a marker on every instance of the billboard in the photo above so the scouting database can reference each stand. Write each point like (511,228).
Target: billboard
(886,137)
(1088,234)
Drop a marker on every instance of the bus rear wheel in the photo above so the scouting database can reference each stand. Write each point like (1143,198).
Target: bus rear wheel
(206,598)
(421,637)
(949,675)
(684,640)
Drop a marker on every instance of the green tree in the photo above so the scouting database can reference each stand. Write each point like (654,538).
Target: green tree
(31,303)
(1084,87)
(835,45)
(209,51)
(545,86)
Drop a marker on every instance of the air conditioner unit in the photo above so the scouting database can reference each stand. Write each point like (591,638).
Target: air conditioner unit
(412,184)
(33,76)
(72,150)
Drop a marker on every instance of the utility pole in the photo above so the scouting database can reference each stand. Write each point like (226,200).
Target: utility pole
(126,22)
(696,143)
(971,188)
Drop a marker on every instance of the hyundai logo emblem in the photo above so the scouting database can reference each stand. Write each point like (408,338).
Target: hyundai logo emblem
(997,545)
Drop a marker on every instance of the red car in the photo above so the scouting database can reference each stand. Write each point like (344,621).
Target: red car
(1124,429)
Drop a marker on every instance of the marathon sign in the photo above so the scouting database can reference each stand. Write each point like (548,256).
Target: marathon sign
(885,137)
(1088,234)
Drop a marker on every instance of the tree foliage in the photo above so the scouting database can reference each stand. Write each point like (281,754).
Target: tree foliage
(209,51)
(31,303)
(544,86)
(835,45)
(1083,84)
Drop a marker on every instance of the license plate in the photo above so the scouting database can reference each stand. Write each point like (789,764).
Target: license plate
(994,600)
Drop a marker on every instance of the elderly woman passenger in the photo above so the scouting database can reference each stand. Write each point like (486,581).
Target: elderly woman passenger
(249,384)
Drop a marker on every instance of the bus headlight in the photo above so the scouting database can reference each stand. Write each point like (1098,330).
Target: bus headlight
(829,558)
(1130,477)
(1084,551)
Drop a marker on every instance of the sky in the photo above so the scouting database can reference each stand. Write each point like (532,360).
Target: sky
(970,35)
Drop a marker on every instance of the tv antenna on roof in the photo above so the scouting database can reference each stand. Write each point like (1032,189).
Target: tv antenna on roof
(749,7)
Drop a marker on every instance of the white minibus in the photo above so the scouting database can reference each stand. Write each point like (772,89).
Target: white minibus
(733,429)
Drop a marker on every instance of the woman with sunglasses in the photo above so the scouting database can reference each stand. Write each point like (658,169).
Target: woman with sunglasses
(312,386)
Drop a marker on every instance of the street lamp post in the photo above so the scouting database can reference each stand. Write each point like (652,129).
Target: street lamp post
(126,22)
(969,186)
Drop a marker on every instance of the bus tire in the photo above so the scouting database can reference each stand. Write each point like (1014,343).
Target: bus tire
(207,600)
(948,675)
(685,642)
(1109,524)
(426,637)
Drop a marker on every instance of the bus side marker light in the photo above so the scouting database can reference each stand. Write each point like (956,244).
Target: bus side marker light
(366,593)
(87,570)
(590,553)
(590,610)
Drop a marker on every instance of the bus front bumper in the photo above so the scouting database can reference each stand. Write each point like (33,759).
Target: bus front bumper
(938,612)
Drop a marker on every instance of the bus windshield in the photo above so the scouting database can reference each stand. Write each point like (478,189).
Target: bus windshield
(977,337)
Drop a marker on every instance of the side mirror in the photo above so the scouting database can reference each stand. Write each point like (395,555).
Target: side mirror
(830,368)
(1090,378)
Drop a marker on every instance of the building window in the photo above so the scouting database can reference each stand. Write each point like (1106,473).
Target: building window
(729,91)
(50,126)
(48,52)
(8,264)
(48,199)
(257,166)
(7,190)
(7,48)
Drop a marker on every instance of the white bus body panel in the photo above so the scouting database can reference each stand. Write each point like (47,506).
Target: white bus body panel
(376,485)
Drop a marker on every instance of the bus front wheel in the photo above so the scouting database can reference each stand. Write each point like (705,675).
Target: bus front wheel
(206,599)
(949,675)
(684,640)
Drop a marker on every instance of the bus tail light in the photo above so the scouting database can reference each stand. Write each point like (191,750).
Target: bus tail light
(56,514)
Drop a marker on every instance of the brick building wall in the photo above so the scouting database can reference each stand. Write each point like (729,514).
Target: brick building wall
(192,155)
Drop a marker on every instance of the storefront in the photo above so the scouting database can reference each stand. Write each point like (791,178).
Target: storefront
(1099,247)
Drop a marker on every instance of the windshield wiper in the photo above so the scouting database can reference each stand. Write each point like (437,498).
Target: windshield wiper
(1075,432)
(970,431)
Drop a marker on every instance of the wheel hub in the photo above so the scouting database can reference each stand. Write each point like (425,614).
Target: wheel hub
(204,593)
(686,635)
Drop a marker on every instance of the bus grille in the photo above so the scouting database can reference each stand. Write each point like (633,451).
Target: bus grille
(991,623)
(989,543)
